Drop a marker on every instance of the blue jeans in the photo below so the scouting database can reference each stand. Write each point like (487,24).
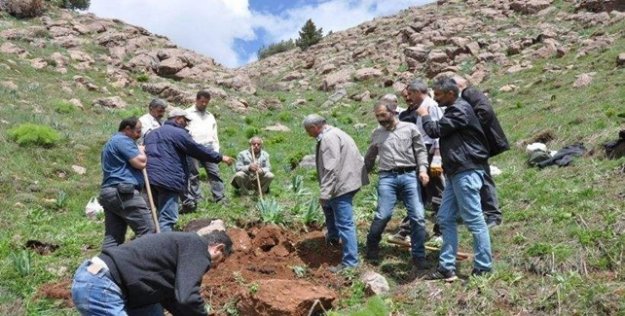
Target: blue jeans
(462,196)
(391,187)
(97,294)
(340,224)
(167,205)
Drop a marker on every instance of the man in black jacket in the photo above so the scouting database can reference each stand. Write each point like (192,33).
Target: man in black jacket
(464,151)
(497,143)
(148,274)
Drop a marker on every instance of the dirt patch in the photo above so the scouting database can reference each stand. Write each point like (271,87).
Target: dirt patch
(57,291)
(42,248)
(277,259)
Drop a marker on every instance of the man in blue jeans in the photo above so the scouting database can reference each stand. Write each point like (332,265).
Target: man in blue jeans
(122,161)
(402,155)
(464,150)
(340,172)
(148,274)
(167,149)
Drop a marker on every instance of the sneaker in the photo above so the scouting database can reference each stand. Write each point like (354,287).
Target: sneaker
(445,275)
(490,223)
(479,272)
(372,253)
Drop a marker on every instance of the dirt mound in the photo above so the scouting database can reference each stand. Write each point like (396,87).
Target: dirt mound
(57,291)
(278,262)
(286,297)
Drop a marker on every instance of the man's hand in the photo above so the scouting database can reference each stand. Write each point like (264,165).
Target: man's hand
(227,160)
(253,167)
(424,178)
(141,149)
(423,111)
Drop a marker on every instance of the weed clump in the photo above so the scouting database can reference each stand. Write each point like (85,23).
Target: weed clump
(29,134)
(63,107)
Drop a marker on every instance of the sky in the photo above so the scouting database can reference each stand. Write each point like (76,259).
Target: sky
(232,31)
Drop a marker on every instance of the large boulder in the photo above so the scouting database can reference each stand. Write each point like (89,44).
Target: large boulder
(367,73)
(110,102)
(286,297)
(529,6)
(336,79)
(600,5)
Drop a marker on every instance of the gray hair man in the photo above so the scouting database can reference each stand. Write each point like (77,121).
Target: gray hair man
(153,119)
(402,155)
(251,164)
(340,172)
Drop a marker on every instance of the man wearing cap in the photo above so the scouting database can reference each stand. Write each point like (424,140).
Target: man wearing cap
(152,119)
(167,149)
(203,129)
(403,160)
(252,163)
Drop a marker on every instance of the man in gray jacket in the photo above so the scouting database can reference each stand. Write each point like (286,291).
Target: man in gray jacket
(340,172)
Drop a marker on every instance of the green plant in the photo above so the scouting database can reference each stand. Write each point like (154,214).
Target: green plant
(142,78)
(270,211)
(297,186)
(295,158)
(254,287)
(61,200)
(299,271)
(272,49)
(28,134)
(63,107)
(309,35)
(285,116)
(22,261)
(311,213)
(251,132)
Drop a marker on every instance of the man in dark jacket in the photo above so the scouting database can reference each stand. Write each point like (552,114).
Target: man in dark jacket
(167,149)
(148,274)
(497,143)
(464,151)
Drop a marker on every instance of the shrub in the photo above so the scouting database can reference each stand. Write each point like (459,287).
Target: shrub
(63,107)
(142,78)
(75,4)
(309,35)
(273,49)
(23,8)
(295,158)
(32,134)
(22,262)
(251,132)
(270,211)
(285,116)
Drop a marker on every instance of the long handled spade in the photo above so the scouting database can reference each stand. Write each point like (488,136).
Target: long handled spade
(151,199)
(260,190)
(459,256)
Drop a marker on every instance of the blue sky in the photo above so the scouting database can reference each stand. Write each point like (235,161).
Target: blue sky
(232,31)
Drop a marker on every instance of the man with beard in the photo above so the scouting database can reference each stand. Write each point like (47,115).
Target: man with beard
(464,150)
(402,155)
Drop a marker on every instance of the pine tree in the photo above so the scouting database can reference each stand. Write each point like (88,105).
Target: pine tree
(309,35)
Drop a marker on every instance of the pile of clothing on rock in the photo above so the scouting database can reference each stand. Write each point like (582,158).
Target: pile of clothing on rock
(540,157)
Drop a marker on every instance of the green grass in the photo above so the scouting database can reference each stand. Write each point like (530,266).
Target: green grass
(559,251)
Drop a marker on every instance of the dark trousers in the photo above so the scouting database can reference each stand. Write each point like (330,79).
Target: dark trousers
(488,196)
(122,210)
(193,193)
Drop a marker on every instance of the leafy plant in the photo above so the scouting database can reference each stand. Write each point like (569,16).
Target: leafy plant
(251,132)
(63,107)
(254,287)
(299,271)
(272,49)
(143,78)
(270,211)
(61,200)
(28,134)
(311,213)
(22,262)
(297,186)
(295,158)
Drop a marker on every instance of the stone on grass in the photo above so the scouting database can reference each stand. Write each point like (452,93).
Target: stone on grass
(375,284)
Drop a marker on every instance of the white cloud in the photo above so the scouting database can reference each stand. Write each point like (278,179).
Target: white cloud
(211,27)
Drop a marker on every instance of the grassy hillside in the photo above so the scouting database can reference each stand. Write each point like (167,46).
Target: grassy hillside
(559,251)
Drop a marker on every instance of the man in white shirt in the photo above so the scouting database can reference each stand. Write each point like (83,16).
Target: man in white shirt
(152,120)
(203,130)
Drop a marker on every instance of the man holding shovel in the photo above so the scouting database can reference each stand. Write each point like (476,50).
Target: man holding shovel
(167,149)
(253,169)
(122,180)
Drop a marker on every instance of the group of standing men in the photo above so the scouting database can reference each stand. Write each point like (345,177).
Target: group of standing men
(412,149)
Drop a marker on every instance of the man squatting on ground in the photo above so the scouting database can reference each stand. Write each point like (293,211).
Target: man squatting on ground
(146,275)
(340,170)
(122,180)
(464,151)
(167,149)
(402,153)
(249,167)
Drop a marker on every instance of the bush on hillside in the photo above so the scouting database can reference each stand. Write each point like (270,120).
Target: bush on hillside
(309,35)
(29,134)
(74,4)
(22,8)
(275,48)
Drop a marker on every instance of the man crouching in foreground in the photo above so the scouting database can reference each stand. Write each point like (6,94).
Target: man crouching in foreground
(148,274)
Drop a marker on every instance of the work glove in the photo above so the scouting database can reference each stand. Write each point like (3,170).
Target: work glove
(436,167)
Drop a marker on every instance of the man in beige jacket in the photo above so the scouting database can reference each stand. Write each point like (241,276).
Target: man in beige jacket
(340,170)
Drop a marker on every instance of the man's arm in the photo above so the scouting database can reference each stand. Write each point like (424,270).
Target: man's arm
(453,120)
(329,150)
(372,153)
(139,161)
(419,150)
(197,151)
(480,104)
(241,164)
